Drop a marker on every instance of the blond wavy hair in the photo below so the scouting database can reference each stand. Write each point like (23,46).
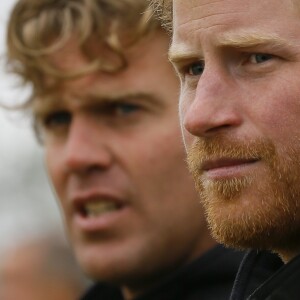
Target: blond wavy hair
(38,28)
(163,10)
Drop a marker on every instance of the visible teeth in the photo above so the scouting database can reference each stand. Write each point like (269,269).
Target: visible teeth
(94,209)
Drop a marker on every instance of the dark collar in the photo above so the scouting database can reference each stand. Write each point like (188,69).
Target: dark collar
(209,277)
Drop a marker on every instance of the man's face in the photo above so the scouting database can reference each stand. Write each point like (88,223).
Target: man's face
(239,64)
(116,160)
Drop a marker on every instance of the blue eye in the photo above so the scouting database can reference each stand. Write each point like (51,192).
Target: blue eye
(196,69)
(259,58)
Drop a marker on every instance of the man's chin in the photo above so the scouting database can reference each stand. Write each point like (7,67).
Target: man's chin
(96,265)
(101,272)
(238,234)
(247,227)
(107,264)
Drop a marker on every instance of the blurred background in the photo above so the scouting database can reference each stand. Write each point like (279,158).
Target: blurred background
(27,205)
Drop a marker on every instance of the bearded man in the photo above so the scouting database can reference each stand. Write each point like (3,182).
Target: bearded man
(239,66)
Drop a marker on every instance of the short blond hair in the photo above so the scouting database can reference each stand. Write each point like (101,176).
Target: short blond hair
(38,28)
(163,10)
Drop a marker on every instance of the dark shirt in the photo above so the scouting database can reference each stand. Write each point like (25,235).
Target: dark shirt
(210,277)
(263,276)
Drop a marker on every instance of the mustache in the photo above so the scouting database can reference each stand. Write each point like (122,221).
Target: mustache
(213,148)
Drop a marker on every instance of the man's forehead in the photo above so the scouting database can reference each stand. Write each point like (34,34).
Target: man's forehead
(201,11)
(68,50)
(182,11)
(229,24)
(191,17)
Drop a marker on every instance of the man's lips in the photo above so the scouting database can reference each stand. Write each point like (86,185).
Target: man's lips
(98,211)
(225,163)
(95,204)
(223,168)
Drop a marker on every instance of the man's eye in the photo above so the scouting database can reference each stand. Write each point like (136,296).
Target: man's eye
(259,58)
(124,108)
(57,119)
(196,69)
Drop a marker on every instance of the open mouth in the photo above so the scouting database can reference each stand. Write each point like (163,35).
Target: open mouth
(95,209)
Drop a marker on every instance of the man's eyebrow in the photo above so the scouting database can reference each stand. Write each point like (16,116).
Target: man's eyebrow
(179,53)
(147,98)
(123,96)
(43,105)
(250,39)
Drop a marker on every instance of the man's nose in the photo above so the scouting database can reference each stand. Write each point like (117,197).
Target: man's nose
(86,146)
(214,107)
